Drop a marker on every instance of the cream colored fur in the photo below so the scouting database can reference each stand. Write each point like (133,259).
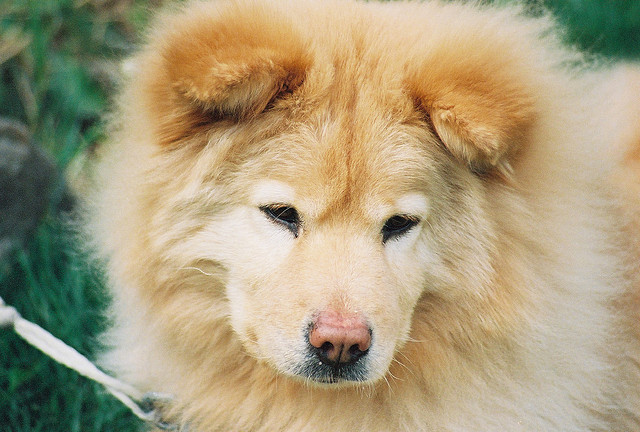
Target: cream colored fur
(513,305)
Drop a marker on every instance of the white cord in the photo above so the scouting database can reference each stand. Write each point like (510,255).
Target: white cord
(64,354)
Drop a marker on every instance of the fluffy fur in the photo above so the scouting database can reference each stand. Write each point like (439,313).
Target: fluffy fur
(512,305)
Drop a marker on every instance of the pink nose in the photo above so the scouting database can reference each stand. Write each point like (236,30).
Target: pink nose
(339,338)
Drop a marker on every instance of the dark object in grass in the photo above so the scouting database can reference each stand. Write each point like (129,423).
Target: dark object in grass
(27,176)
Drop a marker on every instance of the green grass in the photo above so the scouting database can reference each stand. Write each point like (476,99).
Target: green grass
(605,27)
(52,286)
(56,75)
(58,82)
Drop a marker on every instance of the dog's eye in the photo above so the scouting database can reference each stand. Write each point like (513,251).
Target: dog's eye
(284,215)
(397,225)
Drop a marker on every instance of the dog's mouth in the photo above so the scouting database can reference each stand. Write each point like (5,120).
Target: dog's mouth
(320,371)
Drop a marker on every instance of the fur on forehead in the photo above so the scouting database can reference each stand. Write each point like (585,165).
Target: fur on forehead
(336,169)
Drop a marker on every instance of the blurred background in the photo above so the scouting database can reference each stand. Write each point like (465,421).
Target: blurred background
(59,67)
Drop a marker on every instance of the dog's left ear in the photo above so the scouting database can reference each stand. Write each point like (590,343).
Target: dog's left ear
(481,116)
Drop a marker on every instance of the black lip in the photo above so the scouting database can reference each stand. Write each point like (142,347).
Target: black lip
(316,370)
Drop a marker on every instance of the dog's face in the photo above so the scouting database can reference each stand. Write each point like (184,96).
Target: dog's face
(327,256)
(334,202)
(327,242)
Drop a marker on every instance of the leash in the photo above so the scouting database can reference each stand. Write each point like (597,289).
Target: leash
(148,406)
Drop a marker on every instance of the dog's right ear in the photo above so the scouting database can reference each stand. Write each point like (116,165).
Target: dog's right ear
(228,63)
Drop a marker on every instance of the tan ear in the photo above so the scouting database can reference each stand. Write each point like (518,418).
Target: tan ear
(239,88)
(481,116)
(216,61)
(234,61)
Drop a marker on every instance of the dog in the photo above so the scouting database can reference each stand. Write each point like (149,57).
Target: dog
(363,216)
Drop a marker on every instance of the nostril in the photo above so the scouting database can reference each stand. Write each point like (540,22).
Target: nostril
(327,346)
(329,353)
(354,350)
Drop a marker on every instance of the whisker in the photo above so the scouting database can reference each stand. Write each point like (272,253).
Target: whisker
(395,378)
(410,339)
(386,380)
(406,358)
(197,269)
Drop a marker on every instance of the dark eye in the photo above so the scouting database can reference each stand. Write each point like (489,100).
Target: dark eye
(397,225)
(284,215)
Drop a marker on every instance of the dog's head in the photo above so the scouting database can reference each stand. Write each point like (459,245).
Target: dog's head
(340,196)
